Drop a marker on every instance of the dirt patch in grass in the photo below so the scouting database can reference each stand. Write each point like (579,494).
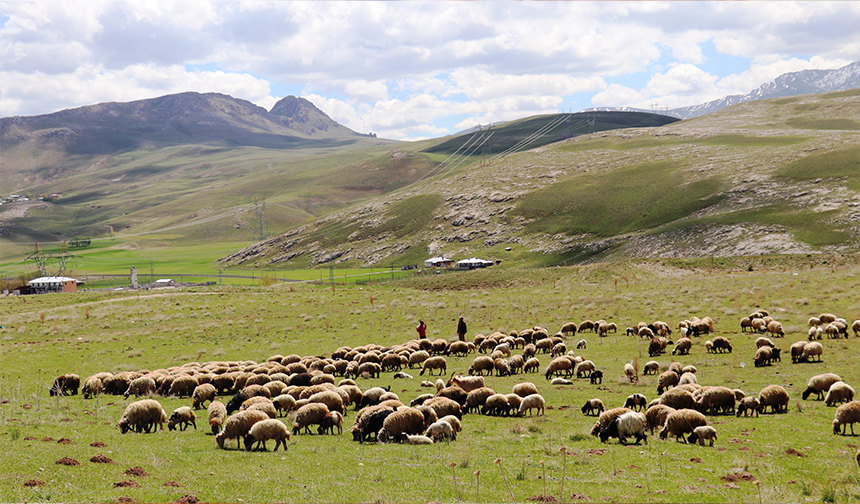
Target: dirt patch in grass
(32,483)
(30,438)
(136,471)
(580,497)
(97,444)
(792,451)
(541,498)
(125,500)
(101,459)
(597,451)
(27,406)
(68,462)
(171,484)
(740,476)
(65,441)
(696,460)
(47,439)
(126,483)
(187,499)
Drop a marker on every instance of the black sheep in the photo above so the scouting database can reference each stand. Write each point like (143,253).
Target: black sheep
(596,377)
(374,424)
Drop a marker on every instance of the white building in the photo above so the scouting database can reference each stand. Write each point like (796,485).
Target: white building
(473,263)
(438,262)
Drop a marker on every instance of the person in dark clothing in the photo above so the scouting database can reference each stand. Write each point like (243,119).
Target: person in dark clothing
(422,329)
(461,329)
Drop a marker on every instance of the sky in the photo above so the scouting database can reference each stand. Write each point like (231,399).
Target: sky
(413,70)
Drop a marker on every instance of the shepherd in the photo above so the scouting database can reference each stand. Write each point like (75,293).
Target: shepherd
(422,329)
(461,329)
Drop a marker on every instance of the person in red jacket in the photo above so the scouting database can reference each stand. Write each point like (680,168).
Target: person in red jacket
(422,329)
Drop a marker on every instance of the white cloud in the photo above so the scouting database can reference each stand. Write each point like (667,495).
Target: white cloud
(617,95)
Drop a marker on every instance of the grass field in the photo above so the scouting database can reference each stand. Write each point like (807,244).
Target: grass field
(793,457)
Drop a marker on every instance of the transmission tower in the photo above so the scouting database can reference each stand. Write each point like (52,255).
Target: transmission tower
(262,229)
(62,257)
(591,118)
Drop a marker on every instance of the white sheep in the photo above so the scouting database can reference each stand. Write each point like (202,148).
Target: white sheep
(682,422)
(840,392)
(810,350)
(217,414)
(530,402)
(749,405)
(584,368)
(524,389)
(703,433)
(202,393)
(630,372)
(435,362)
(267,429)
(682,346)
(404,420)
(820,384)
(182,416)
(846,414)
(238,425)
(284,403)
(774,396)
(143,386)
(142,416)
(441,430)
(309,414)
(629,424)
(454,421)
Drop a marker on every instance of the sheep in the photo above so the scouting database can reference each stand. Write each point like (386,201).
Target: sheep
(369,420)
(748,406)
(840,392)
(604,419)
(796,350)
(92,387)
(762,341)
(201,394)
(441,430)
(495,405)
(636,402)
(846,414)
(721,344)
(417,358)
(858,455)
(581,344)
(655,416)
(774,396)
(656,346)
(454,393)
(630,424)
(334,401)
(593,407)
(763,356)
(143,386)
(333,420)
(284,403)
(371,396)
(678,398)
(183,386)
(481,364)
(569,329)
(820,384)
(810,350)
(445,406)
(467,383)
(630,372)
(418,401)
(530,402)
(267,429)
(454,421)
(683,346)
(66,385)
(404,420)
(855,326)
(667,380)
(651,367)
(716,400)
(826,318)
(531,365)
(584,368)
(681,422)
(703,433)
(687,379)
(476,398)
(524,389)
(775,328)
(237,426)
(559,366)
(217,414)
(142,416)
(182,416)
(309,414)
(560,381)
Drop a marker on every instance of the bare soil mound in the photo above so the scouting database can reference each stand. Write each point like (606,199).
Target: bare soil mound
(101,459)
(32,483)
(187,499)
(65,441)
(542,498)
(126,483)
(97,444)
(171,484)
(68,462)
(740,476)
(136,471)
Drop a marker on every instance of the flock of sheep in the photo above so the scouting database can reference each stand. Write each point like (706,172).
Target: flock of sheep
(317,391)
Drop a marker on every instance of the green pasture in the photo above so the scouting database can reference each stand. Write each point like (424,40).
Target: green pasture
(791,457)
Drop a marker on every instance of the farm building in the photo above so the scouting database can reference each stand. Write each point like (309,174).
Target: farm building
(473,263)
(438,262)
(45,285)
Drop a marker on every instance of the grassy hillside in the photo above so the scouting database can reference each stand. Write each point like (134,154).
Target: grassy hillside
(770,458)
(772,176)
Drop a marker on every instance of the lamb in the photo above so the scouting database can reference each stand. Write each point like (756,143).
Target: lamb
(840,392)
(581,344)
(636,402)
(703,433)
(630,372)
(683,346)
(333,420)
(655,416)
(267,429)
(454,421)
(182,416)
(593,407)
(651,367)
(748,406)
(237,426)
(530,402)
(217,414)
(630,424)
(309,414)
(774,396)
(846,414)
(596,377)
(810,350)
(143,386)
(416,440)
(667,380)
(560,381)
(404,420)
(142,416)
(820,384)
(66,385)
(681,422)
(441,431)
(202,393)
